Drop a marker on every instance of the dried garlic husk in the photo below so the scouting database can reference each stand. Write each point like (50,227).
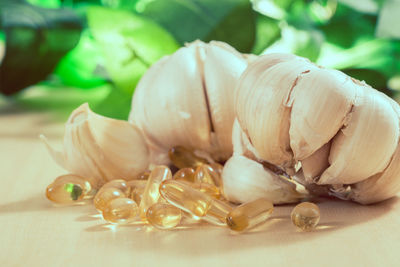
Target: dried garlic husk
(101,149)
(186,99)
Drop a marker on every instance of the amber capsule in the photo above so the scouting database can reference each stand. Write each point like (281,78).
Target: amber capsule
(103,197)
(206,174)
(185,174)
(143,176)
(196,203)
(182,158)
(163,215)
(121,211)
(249,215)
(208,189)
(151,193)
(68,189)
(305,216)
(119,184)
(137,189)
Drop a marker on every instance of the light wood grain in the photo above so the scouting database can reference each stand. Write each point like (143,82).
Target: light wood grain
(33,232)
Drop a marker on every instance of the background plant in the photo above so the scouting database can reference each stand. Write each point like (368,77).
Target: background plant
(59,53)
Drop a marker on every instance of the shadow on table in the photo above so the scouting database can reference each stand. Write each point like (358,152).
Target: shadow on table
(335,215)
(38,203)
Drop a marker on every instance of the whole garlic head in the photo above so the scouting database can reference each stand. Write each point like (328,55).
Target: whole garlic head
(344,133)
(101,149)
(186,99)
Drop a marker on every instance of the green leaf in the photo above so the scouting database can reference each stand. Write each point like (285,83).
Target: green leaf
(35,42)
(267,33)
(302,43)
(348,26)
(80,66)
(45,3)
(377,54)
(116,105)
(389,20)
(231,21)
(130,44)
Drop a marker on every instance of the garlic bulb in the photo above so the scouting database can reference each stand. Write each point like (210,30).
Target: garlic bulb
(186,99)
(101,149)
(344,133)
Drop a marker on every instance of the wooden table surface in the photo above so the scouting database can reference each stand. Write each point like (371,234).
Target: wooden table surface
(33,232)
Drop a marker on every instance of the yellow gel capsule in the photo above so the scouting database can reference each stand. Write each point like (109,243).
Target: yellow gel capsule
(137,189)
(182,157)
(151,193)
(163,216)
(119,184)
(208,189)
(143,176)
(67,189)
(249,215)
(206,174)
(103,197)
(215,171)
(196,203)
(305,216)
(121,211)
(185,174)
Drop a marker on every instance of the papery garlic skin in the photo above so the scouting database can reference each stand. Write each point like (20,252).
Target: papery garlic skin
(101,149)
(186,99)
(341,130)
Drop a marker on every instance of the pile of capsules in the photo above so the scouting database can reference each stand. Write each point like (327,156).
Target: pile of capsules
(161,199)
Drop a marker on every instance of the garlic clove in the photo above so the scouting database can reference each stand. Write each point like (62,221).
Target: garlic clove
(314,165)
(246,180)
(263,114)
(383,185)
(220,63)
(372,130)
(175,100)
(314,123)
(101,149)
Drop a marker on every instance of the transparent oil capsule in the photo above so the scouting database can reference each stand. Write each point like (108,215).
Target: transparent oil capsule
(67,189)
(143,176)
(151,193)
(163,215)
(249,215)
(121,211)
(194,202)
(119,184)
(217,168)
(185,174)
(105,196)
(182,158)
(137,189)
(305,216)
(206,174)
(208,189)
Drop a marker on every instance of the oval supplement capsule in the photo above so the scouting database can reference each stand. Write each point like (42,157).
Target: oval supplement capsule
(67,189)
(164,216)
(103,197)
(196,203)
(249,215)
(185,174)
(121,211)
(305,216)
(182,157)
(119,184)
(151,193)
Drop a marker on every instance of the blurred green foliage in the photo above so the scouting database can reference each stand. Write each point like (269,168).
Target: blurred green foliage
(97,50)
